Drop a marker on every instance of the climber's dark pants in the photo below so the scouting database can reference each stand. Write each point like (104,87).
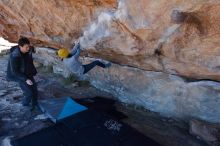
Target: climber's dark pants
(90,66)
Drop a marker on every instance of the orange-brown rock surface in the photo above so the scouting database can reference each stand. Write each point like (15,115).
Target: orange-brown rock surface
(50,23)
(175,36)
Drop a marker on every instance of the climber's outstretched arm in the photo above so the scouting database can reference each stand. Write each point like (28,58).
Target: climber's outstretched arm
(76,50)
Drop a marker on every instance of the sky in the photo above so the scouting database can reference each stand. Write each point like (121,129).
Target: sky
(4,44)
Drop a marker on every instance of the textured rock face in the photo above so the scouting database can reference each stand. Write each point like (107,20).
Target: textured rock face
(167,94)
(48,23)
(177,37)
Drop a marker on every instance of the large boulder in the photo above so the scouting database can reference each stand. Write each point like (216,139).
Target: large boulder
(165,52)
(176,37)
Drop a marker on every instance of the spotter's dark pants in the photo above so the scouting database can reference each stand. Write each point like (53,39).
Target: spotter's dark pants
(30,92)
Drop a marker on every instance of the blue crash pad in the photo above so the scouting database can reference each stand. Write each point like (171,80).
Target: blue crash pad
(60,108)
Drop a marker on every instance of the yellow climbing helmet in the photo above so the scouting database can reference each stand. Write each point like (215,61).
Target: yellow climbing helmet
(63,53)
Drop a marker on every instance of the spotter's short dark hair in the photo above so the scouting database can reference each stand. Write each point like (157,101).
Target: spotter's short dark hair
(23,41)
